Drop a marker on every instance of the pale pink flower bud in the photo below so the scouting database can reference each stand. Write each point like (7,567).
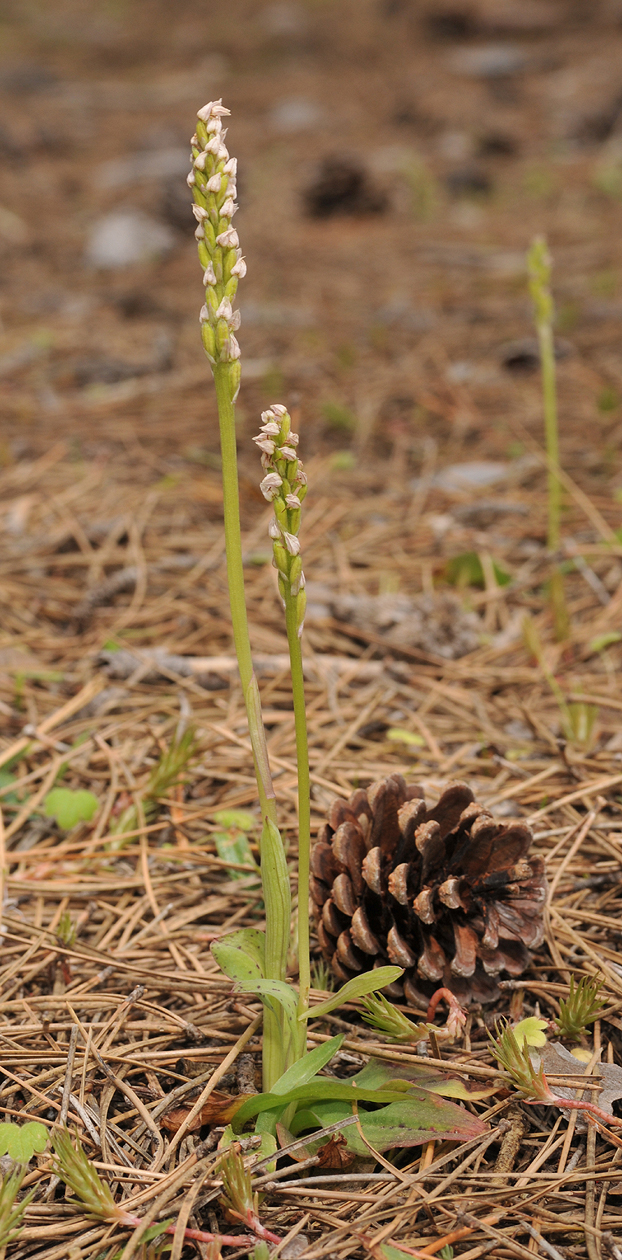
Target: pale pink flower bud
(213,145)
(264,444)
(209,275)
(194,140)
(224,310)
(231,167)
(222,152)
(214,126)
(293,439)
(199,234)
(239,269)
(271,429)
(301,477)
(213,183)
(228,239)
(266,460)
(235,321)
(267,416)
(274,530)
(204,315)
(292,501)
(278,409)
(199,162)
(292,543)
(270,486)
(228,208)
(199,213)
(190,180)
(288,453)
(233,348)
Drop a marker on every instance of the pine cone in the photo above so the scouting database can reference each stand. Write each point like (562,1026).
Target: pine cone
(447,893)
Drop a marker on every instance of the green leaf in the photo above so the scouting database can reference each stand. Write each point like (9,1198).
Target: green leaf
(357,987)
(239,818)
(395,1253)
(320,1088)
(422,1117)
(379,1073)
(68,806)
(21,1141)
(303,1071)
(531,1032)
(235,848)
(602,641)
(466,570)
(241,955)
(401,736)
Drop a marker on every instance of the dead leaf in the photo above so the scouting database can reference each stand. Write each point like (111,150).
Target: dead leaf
(557,1061)
(335,1153)
(219,1109)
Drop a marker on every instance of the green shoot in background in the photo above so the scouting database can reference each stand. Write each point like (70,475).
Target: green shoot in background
(539,269)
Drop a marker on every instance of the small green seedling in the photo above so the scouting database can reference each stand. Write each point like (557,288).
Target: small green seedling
(11,1211)
(581,1008)
(21,1141)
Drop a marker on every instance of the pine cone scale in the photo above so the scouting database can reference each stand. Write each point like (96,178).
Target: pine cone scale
(448,893)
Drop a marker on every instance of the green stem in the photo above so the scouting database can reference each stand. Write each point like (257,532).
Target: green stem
(304,806)
(549,390)
(235,577)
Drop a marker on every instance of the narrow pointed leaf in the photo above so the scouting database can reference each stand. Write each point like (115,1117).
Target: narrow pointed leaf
(322,1088)
(357,987)
(303,1071)
(378,1074)
(408,1122)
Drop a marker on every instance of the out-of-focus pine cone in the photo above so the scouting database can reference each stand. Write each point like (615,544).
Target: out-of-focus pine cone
(448,893)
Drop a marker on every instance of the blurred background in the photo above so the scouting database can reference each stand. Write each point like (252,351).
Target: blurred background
(396,159)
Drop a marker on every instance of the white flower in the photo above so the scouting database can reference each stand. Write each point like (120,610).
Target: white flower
(270,486)
(292,543)
(213,183)
(213,145)
(293,439)
(199,213)
(271,429)
(209,275)
(190,180)
(233,347)
(228,239)
(239,269)
(213,109)
(288,453)
(224,310)
(199,161)
(264,444)
(301,477)
(274,529)
(214,126)
(199,234)
(278,409)
(292,501)
(235,321)
(204,315)
(228,208)
(231,167)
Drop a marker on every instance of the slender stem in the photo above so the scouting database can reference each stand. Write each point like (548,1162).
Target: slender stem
(235,576)
(304,803)
(549,391)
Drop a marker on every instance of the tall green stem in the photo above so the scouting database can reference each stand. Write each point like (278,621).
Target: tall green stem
(235,578)
(304,801)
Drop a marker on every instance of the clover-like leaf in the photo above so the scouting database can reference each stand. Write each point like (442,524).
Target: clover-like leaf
(531,1031)
(20,1141)
(69,806)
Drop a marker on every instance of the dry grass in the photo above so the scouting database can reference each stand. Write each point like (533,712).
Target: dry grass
(137,991)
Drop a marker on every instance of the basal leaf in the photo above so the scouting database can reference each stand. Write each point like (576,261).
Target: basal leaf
(422,1117)
(303,1071)
(357,987)
(379,1073)
(20,1141)
(239,818)
(241,956)
(321,1088)
(69,807)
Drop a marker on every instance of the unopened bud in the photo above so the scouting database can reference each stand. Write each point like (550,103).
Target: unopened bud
(209,275)
(190,180)
(228,208)
(273,529)
(288,453)
(278,409)
(233,348)
(292,543)
(224,310)
(203,315)
(199,213)
(213,184)
(235,321)
(292,501)
(213,145)
(231,167)
(264,444)
(293,438)
(199,234)
(199,161)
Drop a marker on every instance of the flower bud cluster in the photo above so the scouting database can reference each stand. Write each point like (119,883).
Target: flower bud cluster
(285,486)
(213,184)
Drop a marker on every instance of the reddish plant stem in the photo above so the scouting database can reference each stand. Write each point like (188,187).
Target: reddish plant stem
(576,1104)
